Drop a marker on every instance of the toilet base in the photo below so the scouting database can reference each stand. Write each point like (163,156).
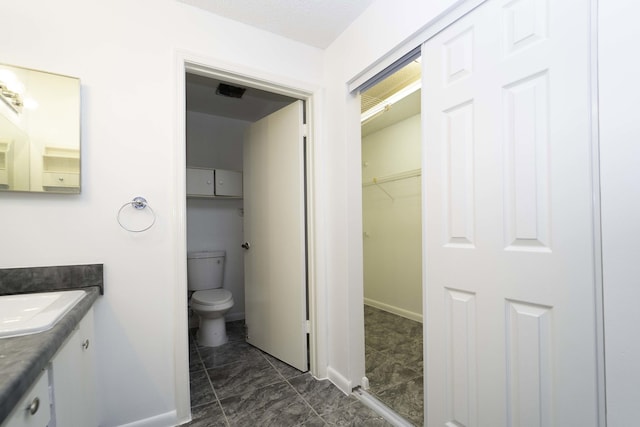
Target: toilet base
(212,332)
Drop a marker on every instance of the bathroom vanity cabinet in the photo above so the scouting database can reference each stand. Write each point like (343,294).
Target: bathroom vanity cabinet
(213,183)
(34,409)
(73,377)
(64,394)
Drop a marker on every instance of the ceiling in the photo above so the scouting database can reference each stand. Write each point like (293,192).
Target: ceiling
(313,22)
(401,110)
(254,104)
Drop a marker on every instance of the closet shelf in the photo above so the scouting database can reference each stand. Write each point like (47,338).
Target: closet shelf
(391,178)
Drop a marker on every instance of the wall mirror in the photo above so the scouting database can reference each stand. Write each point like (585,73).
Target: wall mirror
(39,131)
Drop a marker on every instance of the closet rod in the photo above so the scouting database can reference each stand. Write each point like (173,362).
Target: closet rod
(393,177)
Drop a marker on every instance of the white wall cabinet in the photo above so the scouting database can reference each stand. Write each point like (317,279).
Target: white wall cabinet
(66,390)
(213,183)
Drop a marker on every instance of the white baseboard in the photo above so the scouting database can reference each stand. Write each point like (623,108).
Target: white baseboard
(231,317)
(339,381)
(395,310)
(167,419)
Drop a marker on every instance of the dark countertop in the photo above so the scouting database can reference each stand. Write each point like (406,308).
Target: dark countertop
(23,358)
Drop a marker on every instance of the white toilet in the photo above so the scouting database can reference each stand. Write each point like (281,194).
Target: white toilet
(205,272)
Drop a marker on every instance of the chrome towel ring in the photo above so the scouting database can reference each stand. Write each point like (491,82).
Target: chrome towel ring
(137,203)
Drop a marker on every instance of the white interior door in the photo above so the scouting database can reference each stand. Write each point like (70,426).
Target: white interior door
(510,306)
(274,228)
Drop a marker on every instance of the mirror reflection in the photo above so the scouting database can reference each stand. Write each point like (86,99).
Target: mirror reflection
(39,131)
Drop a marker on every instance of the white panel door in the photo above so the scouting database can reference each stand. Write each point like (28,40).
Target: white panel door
(509,250)
(274,221)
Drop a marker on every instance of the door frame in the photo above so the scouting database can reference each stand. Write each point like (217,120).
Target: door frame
(377,70)
(316,295)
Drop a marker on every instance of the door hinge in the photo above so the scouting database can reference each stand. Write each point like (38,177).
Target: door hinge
(307,326)
(305,130)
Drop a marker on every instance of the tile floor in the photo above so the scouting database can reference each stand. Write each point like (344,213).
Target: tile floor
(239,385)
(394,364)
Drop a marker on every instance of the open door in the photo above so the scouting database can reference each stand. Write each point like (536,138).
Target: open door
(274,229)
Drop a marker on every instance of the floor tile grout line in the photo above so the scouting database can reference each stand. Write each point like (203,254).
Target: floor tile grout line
(259,388)
(215,394)
(305,401)
(286,380)
(213,389)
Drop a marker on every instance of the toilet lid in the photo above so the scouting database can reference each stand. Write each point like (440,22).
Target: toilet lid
(211,297)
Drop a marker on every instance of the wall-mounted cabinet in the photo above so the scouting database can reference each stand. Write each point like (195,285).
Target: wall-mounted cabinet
(61,168)
(213,183)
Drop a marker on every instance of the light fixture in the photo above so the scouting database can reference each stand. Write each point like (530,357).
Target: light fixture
(11,90)
(11,98)
(387,103)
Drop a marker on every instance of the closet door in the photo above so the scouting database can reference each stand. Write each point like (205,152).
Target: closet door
(509,236)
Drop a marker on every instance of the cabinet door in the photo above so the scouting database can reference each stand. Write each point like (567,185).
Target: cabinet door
(199,182)
(228,183)
(33,409)
(73,378)
(60,179)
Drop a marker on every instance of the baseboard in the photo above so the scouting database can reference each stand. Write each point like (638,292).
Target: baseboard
(232,317)
(167,419)
(339,381)
(395,310)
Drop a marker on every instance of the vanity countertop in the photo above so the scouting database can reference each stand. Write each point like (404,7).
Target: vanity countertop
(23,358)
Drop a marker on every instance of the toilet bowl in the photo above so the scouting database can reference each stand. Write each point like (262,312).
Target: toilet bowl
(205,272)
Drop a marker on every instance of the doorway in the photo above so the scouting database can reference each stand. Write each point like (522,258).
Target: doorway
(392,240)
(219,112)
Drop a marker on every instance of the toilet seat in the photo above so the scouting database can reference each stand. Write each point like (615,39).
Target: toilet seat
(212,297)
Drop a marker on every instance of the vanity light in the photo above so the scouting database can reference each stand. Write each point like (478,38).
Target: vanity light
(11,98)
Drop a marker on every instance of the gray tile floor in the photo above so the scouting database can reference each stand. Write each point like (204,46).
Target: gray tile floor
(238,385)
(394,363)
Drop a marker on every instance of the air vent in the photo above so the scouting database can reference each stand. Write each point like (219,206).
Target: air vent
(230,91)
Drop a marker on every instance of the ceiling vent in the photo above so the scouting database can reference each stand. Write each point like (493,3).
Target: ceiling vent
(230,91)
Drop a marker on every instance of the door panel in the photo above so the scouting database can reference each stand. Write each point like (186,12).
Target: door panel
(509,256)
(275,276)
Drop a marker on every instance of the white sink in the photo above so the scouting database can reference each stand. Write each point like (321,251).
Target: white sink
(30,313)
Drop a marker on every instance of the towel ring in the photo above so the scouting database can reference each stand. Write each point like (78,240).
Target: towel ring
(138,203)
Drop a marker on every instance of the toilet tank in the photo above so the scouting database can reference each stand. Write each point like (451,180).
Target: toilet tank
(205,270)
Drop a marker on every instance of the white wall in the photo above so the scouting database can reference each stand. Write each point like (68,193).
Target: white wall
(620,181)
(126,55)
(214,141)
(392,223)
(216,224)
